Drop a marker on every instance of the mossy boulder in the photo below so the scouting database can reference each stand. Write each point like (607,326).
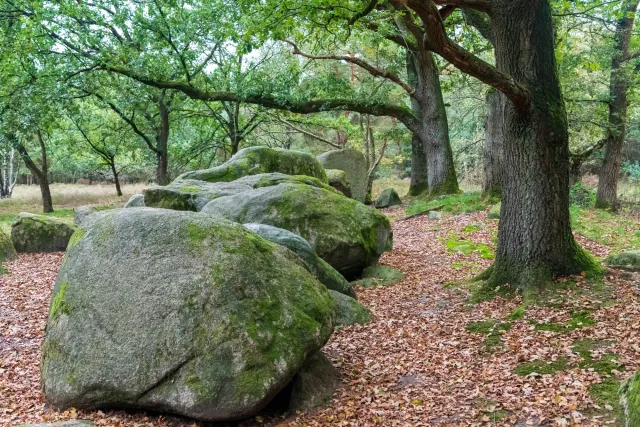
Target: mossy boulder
(630,400)
(257,160)
(189,194)
(326,274)
(494,212)
(345,233)
(314,384)
(82,213)
(627,260)
(40,233)
(179,312)
(379,275)
(135,201)
(8,251)
(388,197)
(338,180)
(349,311)
(353,163)
(193,195)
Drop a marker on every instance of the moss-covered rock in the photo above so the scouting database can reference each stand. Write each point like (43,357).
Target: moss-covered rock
(348,235)
(193,195)
(179,312)
(338,180)
(388,197)
(7,250)
(349,311)
(326,274)
(39,233)
(627,260)
(314,384)
(630,400)
(257,160)
(135,201)
(379,275)
(353,163)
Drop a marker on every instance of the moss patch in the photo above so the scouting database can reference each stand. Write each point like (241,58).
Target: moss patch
(379,275)
(493,329)
(542,367)
(58,304)
(459,203)
(579,319)
(457,244)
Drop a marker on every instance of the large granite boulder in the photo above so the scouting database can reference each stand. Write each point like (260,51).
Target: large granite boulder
(353,163)
(349,311)
(345,233)
(193,195)
(8,251)
(135,201)
(630,401)
(257,160)
(626,260)
(389,197)
(40,233)
(338,180)
(82,214)
(326,274)
(179,312)
(314,384)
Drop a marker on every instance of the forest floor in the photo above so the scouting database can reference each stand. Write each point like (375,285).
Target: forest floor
(429,357)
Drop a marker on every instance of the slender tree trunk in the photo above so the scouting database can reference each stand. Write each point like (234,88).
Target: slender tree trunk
(116,178)
(607,197)
(493,145)
(43,178)
(162,144)
(419,164)
(534,237)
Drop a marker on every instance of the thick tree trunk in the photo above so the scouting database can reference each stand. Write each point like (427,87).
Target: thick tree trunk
(162,144)
(607,197)
(419,164)
(493,145)
(534,238)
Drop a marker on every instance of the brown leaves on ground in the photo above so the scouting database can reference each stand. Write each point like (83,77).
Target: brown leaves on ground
(415,364)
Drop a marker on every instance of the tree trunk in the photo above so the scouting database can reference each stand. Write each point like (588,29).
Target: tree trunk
(116,178)
(162,143)
(493,145)
(534,237)
(607,197)
(419,164)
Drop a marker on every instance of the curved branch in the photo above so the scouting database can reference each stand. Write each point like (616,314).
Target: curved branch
(481,5)
(373,70)
(300,107)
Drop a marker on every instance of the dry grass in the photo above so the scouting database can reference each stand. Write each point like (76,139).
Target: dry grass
(27,198)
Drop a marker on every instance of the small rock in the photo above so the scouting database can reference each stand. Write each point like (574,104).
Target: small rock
(388,197)
(435,215)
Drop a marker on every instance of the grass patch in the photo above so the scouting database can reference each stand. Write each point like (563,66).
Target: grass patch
(579,319)
(459,203)
(542,367)
(467,247)
(612,230)
(517,313)
(603,365)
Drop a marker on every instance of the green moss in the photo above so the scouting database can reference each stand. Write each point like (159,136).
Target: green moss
(542,367)
(379,275)
(493,329)
(604,365)
(58,304)
(579,319)
(467,247)
(630,397)
(459,203)
(485,291)
(189,189)
(517,313)
(76,237)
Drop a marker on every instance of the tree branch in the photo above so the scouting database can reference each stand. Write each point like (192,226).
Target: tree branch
(481,5)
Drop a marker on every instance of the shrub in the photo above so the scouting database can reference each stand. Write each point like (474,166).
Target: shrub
(582,196)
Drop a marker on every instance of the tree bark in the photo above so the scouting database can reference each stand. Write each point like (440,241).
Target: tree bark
(607,196)
(162,143)
(534,237)
(493,145)
(116,178)
(39,173)
(419,164)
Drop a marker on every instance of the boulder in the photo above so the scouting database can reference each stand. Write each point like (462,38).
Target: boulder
(193,195)
(494,212)
(257,160)
(8,251)
(314,384)
(338,180)
(82,213)
(630,401)
(40,233)
(179,312)
(388,197)
(349,311)
(326,274)
(70,423)
(626,260)
(136,201)
(353,163)
(379,275)
(345,233)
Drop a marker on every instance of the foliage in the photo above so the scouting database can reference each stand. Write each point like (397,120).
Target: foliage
(582,196)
